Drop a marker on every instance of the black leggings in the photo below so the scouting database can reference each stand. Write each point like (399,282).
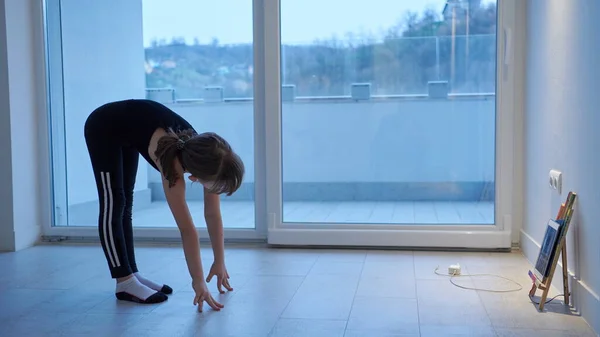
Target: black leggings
(115,168)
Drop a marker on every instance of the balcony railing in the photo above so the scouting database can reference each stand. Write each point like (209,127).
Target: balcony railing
(393,152)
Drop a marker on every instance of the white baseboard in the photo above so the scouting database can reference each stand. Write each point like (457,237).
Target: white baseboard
(584,298)
(27,236)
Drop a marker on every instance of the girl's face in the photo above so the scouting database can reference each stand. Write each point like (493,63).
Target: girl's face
(207,184)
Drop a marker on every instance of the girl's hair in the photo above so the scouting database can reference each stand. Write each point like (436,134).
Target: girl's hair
(206,156)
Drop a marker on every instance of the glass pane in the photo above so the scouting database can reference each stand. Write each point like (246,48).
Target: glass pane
(388,111)
(201,68)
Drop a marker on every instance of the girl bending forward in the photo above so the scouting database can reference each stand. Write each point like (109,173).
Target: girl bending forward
(116,134)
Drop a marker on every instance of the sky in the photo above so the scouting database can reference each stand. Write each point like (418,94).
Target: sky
(302,21)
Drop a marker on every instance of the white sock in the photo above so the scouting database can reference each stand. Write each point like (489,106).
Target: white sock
(134,287)
(148,283)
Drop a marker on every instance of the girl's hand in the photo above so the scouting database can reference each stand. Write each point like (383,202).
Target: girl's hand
(202,294)
(219,270)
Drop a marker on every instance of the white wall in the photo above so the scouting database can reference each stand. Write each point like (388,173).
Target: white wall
(395,141)
(7,238)
(20,206)
(103,61)
(407,149)
(404,140)
(561,127)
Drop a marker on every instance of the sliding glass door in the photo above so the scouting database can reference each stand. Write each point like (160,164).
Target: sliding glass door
(115,50)
(386,125)
(374,124)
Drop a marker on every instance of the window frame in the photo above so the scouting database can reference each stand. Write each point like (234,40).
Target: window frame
(268,155)
(496,236)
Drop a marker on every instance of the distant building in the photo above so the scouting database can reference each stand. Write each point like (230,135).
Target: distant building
(458,14)
(459,9)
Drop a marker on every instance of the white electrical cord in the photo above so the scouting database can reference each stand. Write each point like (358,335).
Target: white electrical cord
(479,289)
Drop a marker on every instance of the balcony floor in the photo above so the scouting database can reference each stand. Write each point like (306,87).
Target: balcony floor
(240,214)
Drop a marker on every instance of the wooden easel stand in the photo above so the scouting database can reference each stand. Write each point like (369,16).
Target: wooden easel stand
(565,213)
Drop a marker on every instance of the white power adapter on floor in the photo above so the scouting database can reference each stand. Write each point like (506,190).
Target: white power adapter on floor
(454,269)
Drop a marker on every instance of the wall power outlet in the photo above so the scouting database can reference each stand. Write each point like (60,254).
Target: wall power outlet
(555,180)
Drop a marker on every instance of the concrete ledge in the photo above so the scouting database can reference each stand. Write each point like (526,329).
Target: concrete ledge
(359,191)
(80,213)
(340,99)
(584,298)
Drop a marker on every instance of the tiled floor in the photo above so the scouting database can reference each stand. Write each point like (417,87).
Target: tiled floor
(65,291)
(240,214)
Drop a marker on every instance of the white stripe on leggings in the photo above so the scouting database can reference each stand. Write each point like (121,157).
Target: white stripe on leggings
(107,215)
